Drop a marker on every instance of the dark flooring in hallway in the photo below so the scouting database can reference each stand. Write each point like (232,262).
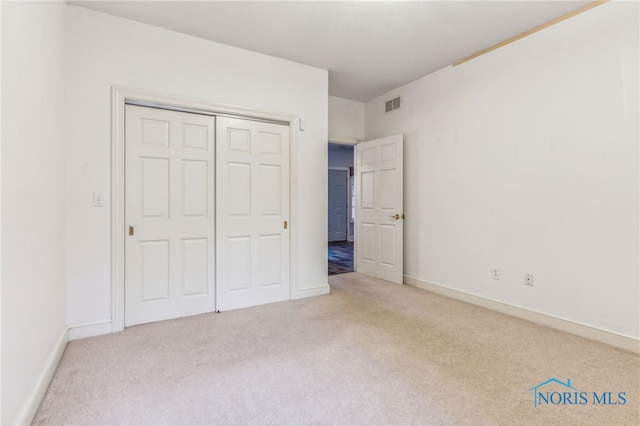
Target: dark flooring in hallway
(340,257)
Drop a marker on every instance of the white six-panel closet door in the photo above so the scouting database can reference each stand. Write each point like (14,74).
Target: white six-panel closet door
(252,168)
(169,212)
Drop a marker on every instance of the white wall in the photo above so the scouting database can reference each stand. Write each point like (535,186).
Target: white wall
(33,164)
(104,51)
(526,159)
(346,120)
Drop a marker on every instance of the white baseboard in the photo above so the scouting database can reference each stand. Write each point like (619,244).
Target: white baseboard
(617,340)
(28,411)
(90,330)
(311,292)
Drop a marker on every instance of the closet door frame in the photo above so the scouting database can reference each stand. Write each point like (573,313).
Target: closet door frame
(121,96)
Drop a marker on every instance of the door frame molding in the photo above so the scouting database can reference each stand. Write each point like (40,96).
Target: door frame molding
(120,96)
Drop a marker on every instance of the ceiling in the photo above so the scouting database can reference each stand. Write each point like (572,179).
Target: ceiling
(368,47)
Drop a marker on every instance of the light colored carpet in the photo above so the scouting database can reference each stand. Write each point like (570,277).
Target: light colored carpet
(371,352)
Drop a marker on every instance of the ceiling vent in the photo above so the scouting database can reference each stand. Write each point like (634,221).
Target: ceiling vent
(391,105)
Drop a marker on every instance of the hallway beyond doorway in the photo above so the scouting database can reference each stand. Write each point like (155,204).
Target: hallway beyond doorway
(340,257)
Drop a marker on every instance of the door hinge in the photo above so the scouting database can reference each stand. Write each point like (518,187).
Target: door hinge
(131,230)
(286,224)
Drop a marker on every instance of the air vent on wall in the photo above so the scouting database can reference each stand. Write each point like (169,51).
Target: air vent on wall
(392,104)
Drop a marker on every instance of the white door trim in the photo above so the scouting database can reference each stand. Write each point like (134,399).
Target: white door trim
(119,97)
(344,141)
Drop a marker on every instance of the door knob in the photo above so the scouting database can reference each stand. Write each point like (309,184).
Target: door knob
(395,216)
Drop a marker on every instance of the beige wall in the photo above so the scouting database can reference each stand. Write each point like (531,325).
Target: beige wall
(33,206)
(346,120)
(105,51)
(526,159)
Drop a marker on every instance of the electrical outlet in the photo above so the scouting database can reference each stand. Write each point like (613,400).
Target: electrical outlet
(528,279)
(495,273)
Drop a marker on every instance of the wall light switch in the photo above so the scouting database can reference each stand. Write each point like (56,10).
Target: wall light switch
(98,199)
(528,279)
(495,273)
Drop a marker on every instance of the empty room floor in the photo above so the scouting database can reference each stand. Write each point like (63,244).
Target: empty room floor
(370,352)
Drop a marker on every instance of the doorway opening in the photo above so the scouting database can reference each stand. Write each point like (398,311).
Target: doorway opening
(341,210)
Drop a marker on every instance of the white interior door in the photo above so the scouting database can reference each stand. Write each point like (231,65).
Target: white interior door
(252,166)
(169,211)
(337,212)
(379,212)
